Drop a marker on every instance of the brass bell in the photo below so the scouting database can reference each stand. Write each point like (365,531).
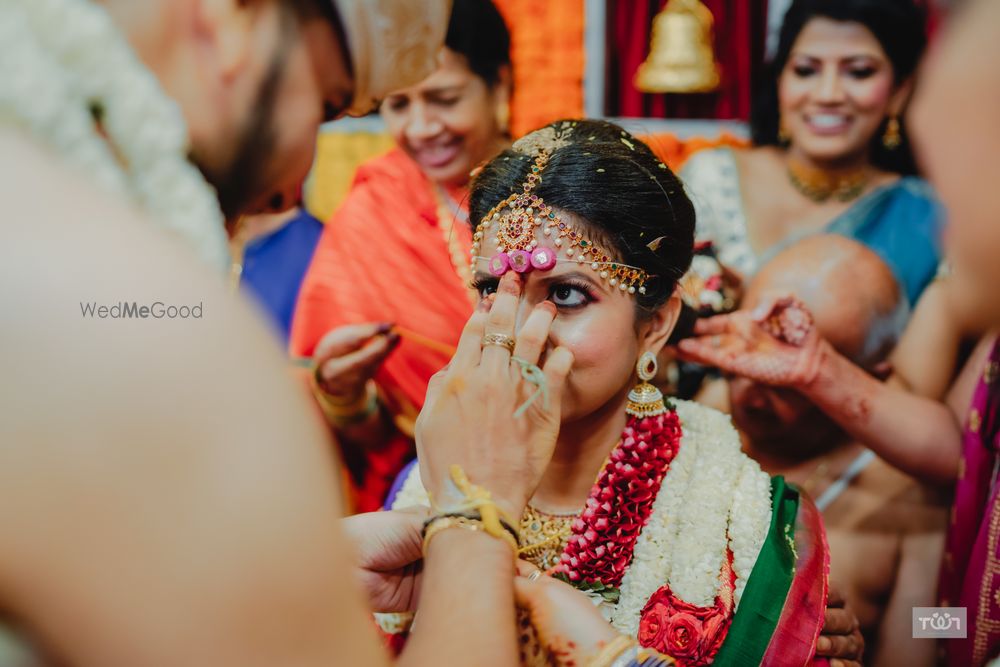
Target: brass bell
(680,58)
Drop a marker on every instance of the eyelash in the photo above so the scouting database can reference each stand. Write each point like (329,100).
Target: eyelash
(862,72)
(803,71)
(482,284)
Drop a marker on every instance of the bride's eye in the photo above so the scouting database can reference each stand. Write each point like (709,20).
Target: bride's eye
(566,295)
(485,286)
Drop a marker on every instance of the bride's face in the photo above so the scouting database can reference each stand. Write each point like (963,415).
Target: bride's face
(596,321)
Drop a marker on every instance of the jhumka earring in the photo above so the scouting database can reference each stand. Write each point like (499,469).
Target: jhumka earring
(503,117)
(891,139)
(784,138)
(645,400)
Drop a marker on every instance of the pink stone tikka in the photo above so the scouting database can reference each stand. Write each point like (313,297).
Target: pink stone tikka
(499,264)
(522,261)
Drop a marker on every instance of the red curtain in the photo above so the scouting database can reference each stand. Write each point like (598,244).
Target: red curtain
(740,32)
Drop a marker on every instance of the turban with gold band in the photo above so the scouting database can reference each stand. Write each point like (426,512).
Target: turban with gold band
(393,44)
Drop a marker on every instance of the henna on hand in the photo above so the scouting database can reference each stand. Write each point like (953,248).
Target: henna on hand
(777,344)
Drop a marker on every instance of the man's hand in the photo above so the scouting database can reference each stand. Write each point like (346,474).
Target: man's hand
(389,556)
(841,640)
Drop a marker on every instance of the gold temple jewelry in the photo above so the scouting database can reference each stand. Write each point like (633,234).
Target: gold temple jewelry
(448,213)
(820,186)
(512,223)
(544,536)
(644,399)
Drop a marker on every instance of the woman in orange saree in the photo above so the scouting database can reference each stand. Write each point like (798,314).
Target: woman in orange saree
(387,293)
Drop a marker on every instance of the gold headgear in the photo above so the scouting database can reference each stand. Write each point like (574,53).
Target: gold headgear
(514,219)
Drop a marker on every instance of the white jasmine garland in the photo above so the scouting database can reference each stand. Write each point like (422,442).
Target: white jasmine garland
(703,537)
(749,521)
(61,58)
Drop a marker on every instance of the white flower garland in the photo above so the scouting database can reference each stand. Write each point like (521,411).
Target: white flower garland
(61,58)
(749,521)
(702,526)
(712,496)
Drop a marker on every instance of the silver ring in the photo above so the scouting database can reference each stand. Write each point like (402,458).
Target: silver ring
(716,341)
(500,340)
(535,576)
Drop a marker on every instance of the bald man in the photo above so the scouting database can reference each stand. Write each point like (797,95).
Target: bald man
(885,529)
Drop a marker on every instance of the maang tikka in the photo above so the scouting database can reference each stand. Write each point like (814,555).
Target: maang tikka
(513,221)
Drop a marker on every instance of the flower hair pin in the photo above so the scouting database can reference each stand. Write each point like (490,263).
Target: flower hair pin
(512,224)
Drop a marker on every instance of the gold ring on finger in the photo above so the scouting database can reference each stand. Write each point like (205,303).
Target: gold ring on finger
(501,340)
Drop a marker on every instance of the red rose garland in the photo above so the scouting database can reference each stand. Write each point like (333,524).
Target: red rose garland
(620,503)
(688,633)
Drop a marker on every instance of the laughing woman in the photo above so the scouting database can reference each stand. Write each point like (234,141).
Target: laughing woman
(690,548)
(830,148)
(393,258)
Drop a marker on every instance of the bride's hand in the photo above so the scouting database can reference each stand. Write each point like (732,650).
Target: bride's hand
(775,344)
(568,624)
(469,413)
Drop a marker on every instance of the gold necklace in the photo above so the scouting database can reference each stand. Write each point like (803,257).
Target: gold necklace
(544,536)
(819,185)
(448,212)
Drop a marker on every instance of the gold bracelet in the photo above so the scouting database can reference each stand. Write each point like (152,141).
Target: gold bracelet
(437,524)
(612,650)
(342,413)
(481,500)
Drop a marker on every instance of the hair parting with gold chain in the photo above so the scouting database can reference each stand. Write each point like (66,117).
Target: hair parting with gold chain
(586,192)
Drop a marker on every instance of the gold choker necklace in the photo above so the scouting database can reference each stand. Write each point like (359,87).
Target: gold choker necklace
(819,185)
(545,536)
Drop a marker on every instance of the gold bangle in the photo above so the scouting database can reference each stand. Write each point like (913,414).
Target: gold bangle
(436,525)
(612,650)
(481,499)
(346,413)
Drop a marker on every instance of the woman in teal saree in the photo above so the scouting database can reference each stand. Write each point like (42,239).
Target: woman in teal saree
(830,152)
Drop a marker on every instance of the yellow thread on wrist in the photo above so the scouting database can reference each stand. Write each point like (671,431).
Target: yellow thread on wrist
(480,499)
